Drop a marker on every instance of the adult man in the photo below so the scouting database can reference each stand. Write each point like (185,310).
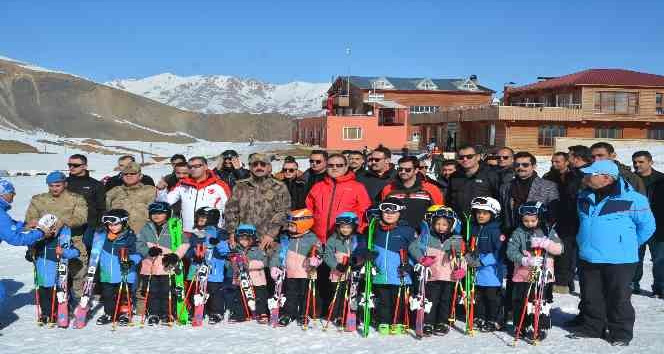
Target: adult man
(180,172)
(656,243)
(296,186)
(172,178)
(447,169)
(605,151)
(413,190)
(202,188)
(505,158)
(643,166)
(70,208)
(123,162)
(316,171)
(230,168)
(379,173)
(356,161)
(259,200)
(472,180)
(614,221)
(132,196)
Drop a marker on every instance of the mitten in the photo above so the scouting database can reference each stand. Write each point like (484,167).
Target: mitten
(154,251)
(427,261)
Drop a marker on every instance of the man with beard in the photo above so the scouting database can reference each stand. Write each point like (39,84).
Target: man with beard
(471,181)
(379,173)
(316,171)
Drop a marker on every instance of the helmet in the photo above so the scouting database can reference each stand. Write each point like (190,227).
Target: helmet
(246,230)
(211,215)
(440,211)
(115,216)
(533,208)
(159,208)
(347,218)
(302,218)
(486,203)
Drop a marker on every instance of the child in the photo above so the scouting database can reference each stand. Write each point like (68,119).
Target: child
(439,248)
(337,255)
(255,259)
(487,258)
(154,245)
(531,237)
(300,264)
(390,236)
(113,270)
(45,254)
(208,245)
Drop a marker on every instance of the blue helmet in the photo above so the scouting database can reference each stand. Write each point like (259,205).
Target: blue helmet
(159,208)
(246,230)
(347,218)
(6,187)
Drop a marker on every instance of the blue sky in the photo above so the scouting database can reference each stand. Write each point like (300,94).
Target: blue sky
(283,40)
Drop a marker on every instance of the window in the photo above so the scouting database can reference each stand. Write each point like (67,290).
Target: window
(616,102)
(352,133)
(547,133)
(659,103)
(656,133)
(427,85)
(608,133)
(424,109)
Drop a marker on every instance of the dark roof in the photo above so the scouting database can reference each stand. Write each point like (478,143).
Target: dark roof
(609,77)
(407,84)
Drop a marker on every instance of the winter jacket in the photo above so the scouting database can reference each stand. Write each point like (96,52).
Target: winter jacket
(134,200)
(505,175)
(430,244)
(230,175)
(297,189)
(612,229)
(69,207)
(11,231)
(46,261)
(258,261)
(310,178)
(541,190)
(149,238)
(519,245)
(295,251)
(336,249)
(632,178)
(462,188)
(216,256)
(650,181)
(374,183)
(417,198)
(116,181)
(388,240)
(658,210)
(331,197)
(109,261)
(211,192)
(263,202)
(490,248)
(568,188)
(95,196)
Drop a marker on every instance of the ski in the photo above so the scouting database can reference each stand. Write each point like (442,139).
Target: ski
(311,292)
(175,230)
(276,301)
(81,311)
(62,289)
(367,297)
(419,303)
(457,259)
(201,296)
(246,286)
(351,311)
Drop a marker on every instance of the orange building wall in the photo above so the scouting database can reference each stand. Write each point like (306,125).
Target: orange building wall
(393,137)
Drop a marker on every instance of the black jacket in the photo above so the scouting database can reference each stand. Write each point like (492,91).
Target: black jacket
(95,195)
(374,183)
(540,190)
(569,187)
(297,191)
(462,189)
(310,178)
(657,205)
(116,181)
(231,175)
(650,182)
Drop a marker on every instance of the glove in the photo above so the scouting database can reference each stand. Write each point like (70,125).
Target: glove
(405,269)
(126,265)
(540,242)
(458,274)
(532,261)
(213,241)
(314,261)
(473,260)
(427,261)
(276,272)
(366,255)
(170,260)
(28,256)
(154,251)
(341,268)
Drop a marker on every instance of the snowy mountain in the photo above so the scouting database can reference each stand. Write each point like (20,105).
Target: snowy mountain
(228,94)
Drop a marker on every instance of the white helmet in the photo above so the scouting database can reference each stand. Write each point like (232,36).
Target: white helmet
(486,203)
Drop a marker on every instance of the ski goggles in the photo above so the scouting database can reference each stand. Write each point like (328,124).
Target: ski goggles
(157,208)
(530,209)
(113,220)
(390,207)
(441,213)
(246,233)
(345,220)
(298,218)
(479,201)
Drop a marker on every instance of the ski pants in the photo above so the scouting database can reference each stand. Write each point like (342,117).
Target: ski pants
(296,299)
(337,311)
(440,294)
(385,302)
(487,302)
(657,256)
(233,301)
(519,292)
(109,292)
(160,286)
(565,264)
(607,299)
(324,287)
(78,267)
(46,299)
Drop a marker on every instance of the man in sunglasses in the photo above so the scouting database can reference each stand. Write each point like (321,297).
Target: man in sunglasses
(505,159)
(471,180)
(79,181)
(124,161)
(132,196)
(230,169)
(413,190)
(317,167)
(292,178)
(259,200)
(202,188)
(379,173)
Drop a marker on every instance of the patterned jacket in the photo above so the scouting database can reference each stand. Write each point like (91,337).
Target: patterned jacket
(541,190)
(69,207)
(134,200)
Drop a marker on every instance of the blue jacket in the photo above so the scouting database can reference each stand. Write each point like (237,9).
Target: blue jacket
(490,246)
(109,261)
(218,255)
(612,230)
(46,260)
(11,230)
(387,242)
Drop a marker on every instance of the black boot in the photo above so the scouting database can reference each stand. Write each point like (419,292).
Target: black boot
(285,321)
(441,329)
(427,330)
(215,318)
(104,320)
(153,320)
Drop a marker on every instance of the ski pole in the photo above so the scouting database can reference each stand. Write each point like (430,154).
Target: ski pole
(330,308)
(147,295)
(306,307)
(170,298)
(344,314)
(36,283)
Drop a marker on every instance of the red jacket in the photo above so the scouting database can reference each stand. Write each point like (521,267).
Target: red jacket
(328,198)
(417,198)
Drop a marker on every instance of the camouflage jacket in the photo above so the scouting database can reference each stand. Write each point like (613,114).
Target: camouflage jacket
(263,203)
(69,207)
(134,200)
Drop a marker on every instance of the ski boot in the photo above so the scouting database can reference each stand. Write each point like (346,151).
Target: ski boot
(43,320)
(490,326)
(153,320)
(397,328)
(285,321)
(441,329)
(123,320)
(263,319)
(478,323)
(384,329)
(104,320)
(164,320)
(427,330)
(215,318)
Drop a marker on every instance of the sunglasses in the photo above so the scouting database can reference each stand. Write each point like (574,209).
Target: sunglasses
(465,157)
(130,174)
(315,162)
(405,169)
(226,158)
(504,157)
(336,165)
(258,163)
(522,164)
(75,165)
(112,220)
(191,167)
(298,218)
(289,170)
(373,159)
(390,207)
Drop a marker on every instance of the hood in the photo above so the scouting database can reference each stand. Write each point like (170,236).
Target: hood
(4,205)
(211,179)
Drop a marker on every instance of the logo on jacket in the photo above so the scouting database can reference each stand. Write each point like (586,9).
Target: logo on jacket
(210,191)
(479,181)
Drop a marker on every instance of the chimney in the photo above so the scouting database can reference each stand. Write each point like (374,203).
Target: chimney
(473,78)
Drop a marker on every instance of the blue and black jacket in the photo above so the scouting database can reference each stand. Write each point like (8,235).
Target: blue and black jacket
(46,259)
(387,241)
(109,261)
(491,251)
(218,256)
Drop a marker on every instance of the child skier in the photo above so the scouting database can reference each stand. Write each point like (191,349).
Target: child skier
(154,245)
(300,265)
(338,250)
(255,259)
(390,237)
(440,248)
(208,245)
(115,271)
(487,259)
(531,248)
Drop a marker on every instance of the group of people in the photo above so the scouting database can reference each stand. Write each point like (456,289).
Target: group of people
(240,235)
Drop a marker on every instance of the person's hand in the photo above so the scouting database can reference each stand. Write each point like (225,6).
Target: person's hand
(231,241)
(276,272)
(458,274)
(162,184)
(235,161)
(266,242)
(473,260)
(540,242)
(315,261)
(31,224)
(427,261)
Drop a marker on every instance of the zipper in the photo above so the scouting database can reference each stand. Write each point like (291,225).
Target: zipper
(387,242)
(329,210)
